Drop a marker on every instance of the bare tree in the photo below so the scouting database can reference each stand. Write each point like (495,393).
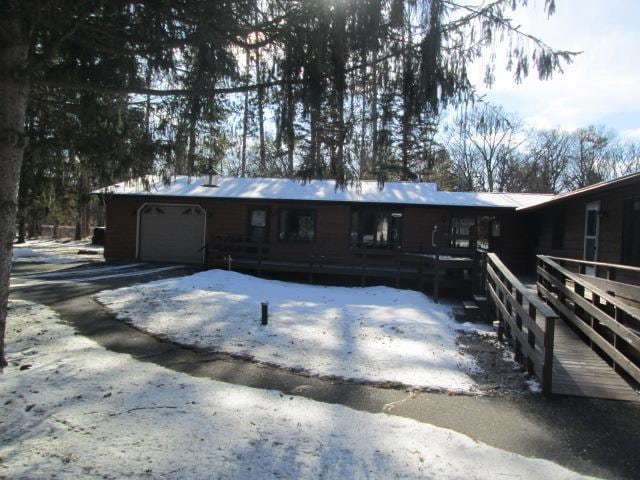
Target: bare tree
(625,158)
(549,154)
(484,147)
(591,159)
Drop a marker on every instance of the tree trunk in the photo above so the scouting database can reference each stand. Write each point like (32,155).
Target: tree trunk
(263,152)
(14,92)
(79,207)
(193,124)
(407,110)
(363,117)
(245,122)
(23,201)
(374,114)
(22,230)
(289,129)
(147,112)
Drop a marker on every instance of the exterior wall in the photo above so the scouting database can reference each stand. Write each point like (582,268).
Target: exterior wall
(573,214)
(121,223)
(230,217)
(418,223)
(518,243)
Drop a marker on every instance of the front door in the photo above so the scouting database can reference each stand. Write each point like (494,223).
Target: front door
(591,233)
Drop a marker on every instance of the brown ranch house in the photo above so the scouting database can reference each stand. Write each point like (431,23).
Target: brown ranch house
(266,224)
(279,220)
(559,274)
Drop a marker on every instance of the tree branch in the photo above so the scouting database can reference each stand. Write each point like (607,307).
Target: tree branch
(178,92)
(52,50)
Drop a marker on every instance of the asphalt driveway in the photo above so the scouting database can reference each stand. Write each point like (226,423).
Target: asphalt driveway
(596,437)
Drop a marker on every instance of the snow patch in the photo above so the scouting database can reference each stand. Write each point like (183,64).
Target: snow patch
(534,385)
(51,251)
(374,334)
(74,410)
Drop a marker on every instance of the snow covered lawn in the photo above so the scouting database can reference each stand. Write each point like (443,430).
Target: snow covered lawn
(375,334)
(74,410)
(52,251)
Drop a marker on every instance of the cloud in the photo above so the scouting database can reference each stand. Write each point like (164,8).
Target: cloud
(631,135)
(600,87)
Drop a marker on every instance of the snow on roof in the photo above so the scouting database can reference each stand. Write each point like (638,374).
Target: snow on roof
(412,193)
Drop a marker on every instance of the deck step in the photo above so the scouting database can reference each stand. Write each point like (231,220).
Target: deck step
(460,314)
(480,299)
(470,306)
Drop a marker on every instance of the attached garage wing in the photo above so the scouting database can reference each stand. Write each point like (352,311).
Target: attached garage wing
(171,233)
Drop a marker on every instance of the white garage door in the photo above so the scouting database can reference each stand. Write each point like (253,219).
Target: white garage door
(171,233)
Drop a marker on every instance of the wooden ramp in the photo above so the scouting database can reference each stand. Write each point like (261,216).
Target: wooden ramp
(577,369)
(580,371)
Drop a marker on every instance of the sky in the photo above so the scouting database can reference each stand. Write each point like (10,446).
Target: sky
(601,87)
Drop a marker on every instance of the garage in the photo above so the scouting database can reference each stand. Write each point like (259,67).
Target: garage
(171,233)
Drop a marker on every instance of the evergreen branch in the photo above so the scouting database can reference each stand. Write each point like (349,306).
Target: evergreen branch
(176,92)
(487,12)
(53,49)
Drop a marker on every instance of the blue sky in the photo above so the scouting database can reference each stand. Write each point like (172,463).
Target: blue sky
(602,86)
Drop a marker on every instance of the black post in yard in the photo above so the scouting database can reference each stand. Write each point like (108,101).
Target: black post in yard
(436,278)
(436,265)
(265,312)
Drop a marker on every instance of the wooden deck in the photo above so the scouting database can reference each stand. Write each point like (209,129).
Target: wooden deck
(449,268)
(578,370)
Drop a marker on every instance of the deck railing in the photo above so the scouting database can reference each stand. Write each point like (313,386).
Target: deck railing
(416,265)
(610,323)
(524,319)
(621,281)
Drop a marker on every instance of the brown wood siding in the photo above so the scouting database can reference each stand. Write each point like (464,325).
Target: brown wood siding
(517,243)
(231,217)
(121,222)
(418,223)
(573,212)
(225,218)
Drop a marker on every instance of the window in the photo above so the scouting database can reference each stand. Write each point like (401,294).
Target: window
(297,225)
(375,228)
(557,231)
(461,231)
(258,229)
(631,232)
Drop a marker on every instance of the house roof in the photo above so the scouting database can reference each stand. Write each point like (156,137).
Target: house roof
(412,193)
(581,192)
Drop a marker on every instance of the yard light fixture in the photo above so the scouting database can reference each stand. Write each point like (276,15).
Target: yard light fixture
(213,176)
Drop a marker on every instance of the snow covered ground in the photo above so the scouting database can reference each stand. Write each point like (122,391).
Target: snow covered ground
(374,334)
(74,410)
(53,251)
